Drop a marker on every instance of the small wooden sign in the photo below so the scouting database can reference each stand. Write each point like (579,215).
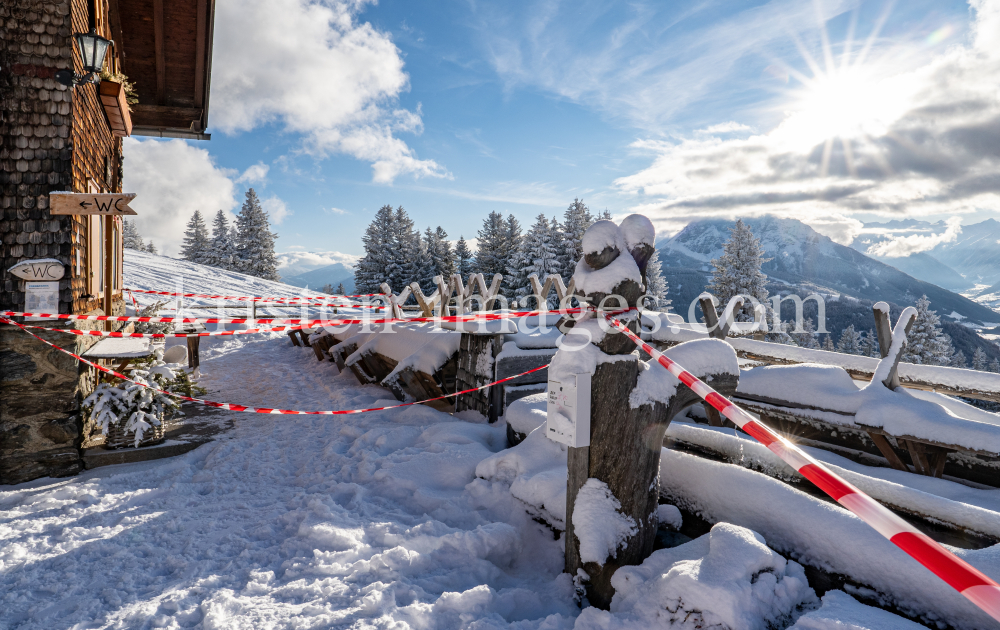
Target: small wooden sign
(44,270)
(114,204)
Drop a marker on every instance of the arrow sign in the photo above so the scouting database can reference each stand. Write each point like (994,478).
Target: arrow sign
(112,204)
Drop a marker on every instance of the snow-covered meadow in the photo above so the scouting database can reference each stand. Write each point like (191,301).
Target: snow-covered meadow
(404,518)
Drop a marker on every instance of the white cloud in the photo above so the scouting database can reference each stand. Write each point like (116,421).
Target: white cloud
(335,211)
(900,246)
(172,179)
(255,174)
(726,127)
(294,263)
(311,67)
(275,208)
(903,134)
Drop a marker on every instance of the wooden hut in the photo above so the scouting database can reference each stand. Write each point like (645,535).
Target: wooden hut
(56,137)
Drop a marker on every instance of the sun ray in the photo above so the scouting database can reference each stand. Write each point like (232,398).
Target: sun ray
(874,34)
(824,38)
(845,57)
(824,167)
(849,157)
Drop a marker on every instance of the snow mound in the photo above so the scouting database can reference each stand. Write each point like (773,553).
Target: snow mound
(597,522)
(524,415)
(702,357)
(727,579)
(840,611)
(637,229)
(601,235)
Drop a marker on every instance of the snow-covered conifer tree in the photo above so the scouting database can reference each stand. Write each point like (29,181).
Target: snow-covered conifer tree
(869,344)
(576,220)
(492,252)
(828,344)
(131,239)
(512,239)
(850,341)
(927,344)
(463,257)
(341,290)
(656,284)
(222,248)
(373,268)
(150,247)
(255,241)
(195,245)
(737,272)
(958,360)
(994,366)
(327,288)
(807,338)
(538,256)
(409,257)
(979,360)
(444,256)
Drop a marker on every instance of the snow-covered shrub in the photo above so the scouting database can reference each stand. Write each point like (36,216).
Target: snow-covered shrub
(152,327)
(139,408)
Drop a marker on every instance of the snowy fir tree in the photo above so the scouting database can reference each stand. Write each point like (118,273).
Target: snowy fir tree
(409,262)
(807,338)
(538,252)
(576,220)
(927,344)
(221,249)
(196,244)
(327,288)
(737,271)
(979,360)
(373,268)
(425,262)
(491,256)
(255,241)
(131,239)
(995,366)
(463,258)
(150,247)
(340,289)
(511,245)
(850,341)
(958,360)
(869,345)
(439,257)
(656,284)
(828,344)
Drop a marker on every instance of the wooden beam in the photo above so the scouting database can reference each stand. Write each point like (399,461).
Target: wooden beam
(161,57)
(887,451)
(714,417)
(109,254)
(201,38)
(711,318)
(919,457)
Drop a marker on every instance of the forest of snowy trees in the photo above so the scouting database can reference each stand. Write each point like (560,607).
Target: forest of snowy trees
(246,247)
(399,254)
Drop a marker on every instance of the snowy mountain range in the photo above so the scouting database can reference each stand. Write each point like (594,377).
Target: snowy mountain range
(803,259)
(317,278)
(952,256)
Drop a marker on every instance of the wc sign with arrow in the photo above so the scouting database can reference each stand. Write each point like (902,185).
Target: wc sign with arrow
(112,204)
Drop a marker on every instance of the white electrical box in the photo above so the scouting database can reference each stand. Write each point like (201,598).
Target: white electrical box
(567,418)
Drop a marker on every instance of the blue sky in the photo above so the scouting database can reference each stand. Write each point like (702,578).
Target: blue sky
(453,109)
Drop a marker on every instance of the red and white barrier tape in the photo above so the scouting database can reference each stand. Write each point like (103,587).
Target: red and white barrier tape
(244,408)
(288,321)
(126,335)
(960,575)
(240,298)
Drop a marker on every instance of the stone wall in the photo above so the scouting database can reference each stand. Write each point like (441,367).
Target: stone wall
(52,138)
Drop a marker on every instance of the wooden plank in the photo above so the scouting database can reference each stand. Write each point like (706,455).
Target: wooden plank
(887,451)
(193,344)
(109,264)
(509,366)
(711,318)
(159,46)
(919,457)
(937,462)
(714,417)
(294,338)
(201,37)
(114,204)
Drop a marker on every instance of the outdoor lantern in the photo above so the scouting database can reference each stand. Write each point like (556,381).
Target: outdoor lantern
(93,49)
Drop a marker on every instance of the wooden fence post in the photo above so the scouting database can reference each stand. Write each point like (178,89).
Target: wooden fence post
(625,442)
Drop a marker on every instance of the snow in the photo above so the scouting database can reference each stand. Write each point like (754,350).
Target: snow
(120,348)
(813,531)
(964,507)
(840,611)
(702,358)
(669,515)
(430,347)
(598,524)
(728,578)
(577,355)
(524,415)
(601,235)
(637,229)
(898,341)
(899,413)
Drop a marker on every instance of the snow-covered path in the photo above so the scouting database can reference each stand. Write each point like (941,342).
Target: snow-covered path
(297,521)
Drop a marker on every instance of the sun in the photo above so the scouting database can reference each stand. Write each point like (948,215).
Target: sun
(850,99)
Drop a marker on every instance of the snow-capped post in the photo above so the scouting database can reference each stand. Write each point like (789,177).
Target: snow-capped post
(885,339)
(612,488)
